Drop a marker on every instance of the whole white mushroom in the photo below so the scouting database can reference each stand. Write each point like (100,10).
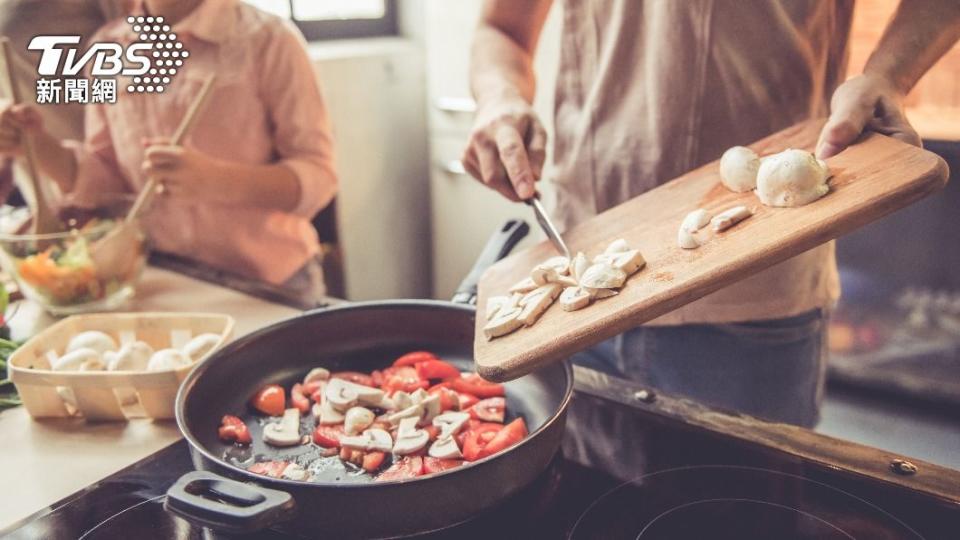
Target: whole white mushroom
(73,360)
(92,339)
(133,356)
(738,169)
(199,346)
(792,178)
(167,359)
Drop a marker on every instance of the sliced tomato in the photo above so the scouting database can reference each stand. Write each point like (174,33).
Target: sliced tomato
(354,377)
(403,378)
(478,386)
(436,369)
(510,435)
(449,399)
(415,357)
(232,429)
(405,467)
(376,377)
(467,400)
(373,460)
(489,410)
(317,395)
(328,436)
(434,465)
(271,399)
(477,438)
(312,386)
(432,431)
(273,469)
(298,399)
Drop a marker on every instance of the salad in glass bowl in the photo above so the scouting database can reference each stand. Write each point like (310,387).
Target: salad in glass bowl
(92,266)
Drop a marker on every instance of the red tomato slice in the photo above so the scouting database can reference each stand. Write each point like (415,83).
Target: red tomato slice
(477,438)
(436,369)
(317,395)
(489,410)
(403,378)
(449,400)
(273,469)
(376,377)
(414,357)
(354,377)
(434,465)
(373,460)
(478,386)
(298,400)
(432,431)
(271,399)
(510,435)
(312,386)
(467,400)
(328,436)
(234,430)
(406,467)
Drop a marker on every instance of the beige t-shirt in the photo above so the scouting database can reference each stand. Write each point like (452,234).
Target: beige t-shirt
(650,89)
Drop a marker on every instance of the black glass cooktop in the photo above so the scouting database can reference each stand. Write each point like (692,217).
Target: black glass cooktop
(623,473)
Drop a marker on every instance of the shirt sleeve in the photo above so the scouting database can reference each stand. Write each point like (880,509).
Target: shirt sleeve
(302,137)
(98,171)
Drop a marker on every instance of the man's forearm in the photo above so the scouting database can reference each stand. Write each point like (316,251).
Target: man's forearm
(503,47)
(920,32)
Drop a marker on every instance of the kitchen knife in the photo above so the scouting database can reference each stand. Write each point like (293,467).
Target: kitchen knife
(544,220)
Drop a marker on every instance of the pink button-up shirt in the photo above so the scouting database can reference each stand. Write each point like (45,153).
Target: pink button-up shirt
(265,107)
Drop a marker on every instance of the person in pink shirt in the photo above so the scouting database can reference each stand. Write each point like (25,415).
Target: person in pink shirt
(240,192)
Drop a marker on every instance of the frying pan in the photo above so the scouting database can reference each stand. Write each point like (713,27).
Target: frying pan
(360,336)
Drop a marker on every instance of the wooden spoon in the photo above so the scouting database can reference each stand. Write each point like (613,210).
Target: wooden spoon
(113,254)
(44,218)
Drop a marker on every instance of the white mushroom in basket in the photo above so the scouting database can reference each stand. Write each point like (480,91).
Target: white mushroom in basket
(357,419)
(375,439)
(165,359)
(286,432)
(409,438)
(92,339)
(738,169)
(76,358)
(792,178)
(133,356)
(201,345)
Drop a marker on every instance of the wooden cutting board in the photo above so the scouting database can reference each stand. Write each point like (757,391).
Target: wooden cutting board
(871,179)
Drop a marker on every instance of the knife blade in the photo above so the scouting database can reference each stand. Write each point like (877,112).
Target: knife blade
(547,225)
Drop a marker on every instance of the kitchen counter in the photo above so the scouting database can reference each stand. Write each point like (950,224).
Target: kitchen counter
(44,461)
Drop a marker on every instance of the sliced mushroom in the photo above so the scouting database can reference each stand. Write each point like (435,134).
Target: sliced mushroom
(495,304)
(317,374)
(600,294)
(357,419)
(414,411)
(375,439)
(523,286)
(74,359)
(409,438)
(579,265)
(686,239)
(503,323)
(559,263)
(419,395)
(603,276)
(92,339)
(696,220)
(326,414)
(728,218)
(450,423)
(344,394)
(629,261)
(286,432)
(445,448)
(617,246)
(431,408)
(541,275)
(537,301)
(567,281)
(574,298)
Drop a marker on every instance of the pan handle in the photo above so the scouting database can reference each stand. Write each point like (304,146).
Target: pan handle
(213,501)
(500,244)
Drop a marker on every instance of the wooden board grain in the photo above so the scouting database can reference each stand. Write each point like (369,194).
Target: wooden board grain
(871,179)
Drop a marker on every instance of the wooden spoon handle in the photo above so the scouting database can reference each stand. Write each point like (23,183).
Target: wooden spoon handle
(44,219)
(182,130)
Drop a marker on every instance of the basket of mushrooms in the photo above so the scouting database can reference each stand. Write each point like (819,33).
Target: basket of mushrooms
(114,366)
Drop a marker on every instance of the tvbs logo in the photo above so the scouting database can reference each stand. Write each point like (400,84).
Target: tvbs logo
(150,63)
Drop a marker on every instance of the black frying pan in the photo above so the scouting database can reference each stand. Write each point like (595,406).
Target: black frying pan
(359,337)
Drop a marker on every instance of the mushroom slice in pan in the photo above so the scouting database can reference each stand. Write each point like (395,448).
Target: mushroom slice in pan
(372,440)
(344,394)
(445,448)
(286,432)
(503,323)
(409,438)
(431,408)
(603,276)
(357,419)
(728,218)
(450,423)
(326,414)
(317,374)
(574,298)
(413,411)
